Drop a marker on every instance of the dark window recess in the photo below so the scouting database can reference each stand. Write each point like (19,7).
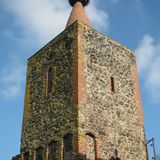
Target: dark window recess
(39,154)
(49,80)
(112,85)
(26,156)
(68,143)
(52,151)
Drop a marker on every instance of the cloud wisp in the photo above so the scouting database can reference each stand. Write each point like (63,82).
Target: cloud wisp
(46,18)
(148,58)
(12,76)
(140,7)
(98,17)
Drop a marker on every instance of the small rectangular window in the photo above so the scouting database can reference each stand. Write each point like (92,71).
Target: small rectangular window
(112,85)
(68,142)
(68,147)
(39,154)
(52,151)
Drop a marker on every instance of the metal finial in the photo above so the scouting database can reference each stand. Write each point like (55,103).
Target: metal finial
(84,2)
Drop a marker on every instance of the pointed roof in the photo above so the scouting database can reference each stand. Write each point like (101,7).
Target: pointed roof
(78,12)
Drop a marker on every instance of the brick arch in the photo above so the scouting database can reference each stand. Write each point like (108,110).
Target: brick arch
(91,146)
(90,134)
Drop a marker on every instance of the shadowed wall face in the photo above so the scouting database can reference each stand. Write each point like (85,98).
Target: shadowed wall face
(50,100)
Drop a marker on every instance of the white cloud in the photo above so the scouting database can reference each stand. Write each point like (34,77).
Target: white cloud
(145,53)
(41,18)
(148,58)
(12,75)
(99,18)
(46,18)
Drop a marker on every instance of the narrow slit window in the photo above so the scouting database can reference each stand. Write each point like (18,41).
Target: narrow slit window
(112,85)
(49,80)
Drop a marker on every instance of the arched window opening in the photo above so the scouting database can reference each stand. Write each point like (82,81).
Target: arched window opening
(52,150)
(68,147)
(91,146)
(49,80)
(39,154)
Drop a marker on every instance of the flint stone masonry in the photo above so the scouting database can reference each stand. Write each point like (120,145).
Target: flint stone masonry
(90,147)
(49,117)
(113,118)
(81,102)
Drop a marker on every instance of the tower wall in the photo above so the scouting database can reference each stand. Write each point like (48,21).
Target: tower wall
(82,102)
(50,116)
(82,98)
(114,120)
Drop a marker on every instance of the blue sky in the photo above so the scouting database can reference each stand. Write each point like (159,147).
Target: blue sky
(26,26)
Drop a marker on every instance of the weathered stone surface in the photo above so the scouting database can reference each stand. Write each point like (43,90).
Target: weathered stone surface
(112,117)
(82,102)
(49,117)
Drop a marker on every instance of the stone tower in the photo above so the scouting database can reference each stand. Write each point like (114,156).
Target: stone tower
(82,98)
